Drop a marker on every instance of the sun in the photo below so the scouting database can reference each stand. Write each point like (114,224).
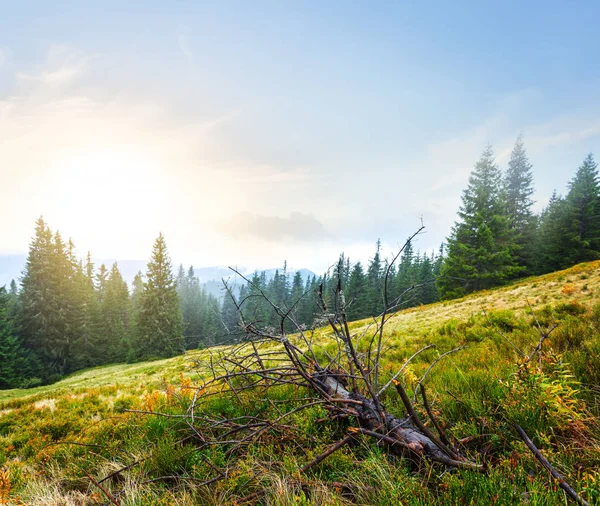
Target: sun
(104,196)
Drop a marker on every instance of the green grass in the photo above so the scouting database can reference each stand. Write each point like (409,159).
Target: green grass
(479,393)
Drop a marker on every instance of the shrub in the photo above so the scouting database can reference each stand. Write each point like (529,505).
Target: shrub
(503,320)
(569,335)
(570,308)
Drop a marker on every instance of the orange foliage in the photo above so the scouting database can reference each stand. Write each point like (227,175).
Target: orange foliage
(150,400)
(5,485)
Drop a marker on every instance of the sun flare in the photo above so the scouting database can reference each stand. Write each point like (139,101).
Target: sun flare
(98,191)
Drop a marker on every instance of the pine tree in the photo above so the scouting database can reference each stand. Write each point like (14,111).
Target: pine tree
(375,283)
(159,326)
(357,297)
(116,317)
(45,304)
(582,213)
(296,295)
(137,288)
(11,368)
(481,248)
(406,276)
(230,319)
(307,308)
(211,320)
(101,280)
(518,189)
(549,236)
(192,307)
(86,349)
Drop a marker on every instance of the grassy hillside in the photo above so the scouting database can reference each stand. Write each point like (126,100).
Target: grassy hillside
(56,440)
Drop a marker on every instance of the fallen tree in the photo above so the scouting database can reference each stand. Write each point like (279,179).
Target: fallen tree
(346,382)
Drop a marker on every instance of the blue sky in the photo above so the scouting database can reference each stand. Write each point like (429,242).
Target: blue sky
(253,132)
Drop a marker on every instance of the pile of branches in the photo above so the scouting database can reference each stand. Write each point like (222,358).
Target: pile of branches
(338,370)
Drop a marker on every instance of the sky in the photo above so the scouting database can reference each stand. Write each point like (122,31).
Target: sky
(251,133)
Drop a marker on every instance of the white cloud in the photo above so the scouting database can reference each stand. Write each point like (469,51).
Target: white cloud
(295,227)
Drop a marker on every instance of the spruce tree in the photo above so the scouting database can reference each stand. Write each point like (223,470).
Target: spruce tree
(45,304)
(549,236)
(211,321)
(357,296)
(230,319)
(101,280)
(481,248)
(86,349)
(406,276)
(582,214)
(308,305)
(159,326)
(116,317)
(13,312)
(518,189)
(192,302)
(137,288)
(11,355)
(296,296)
(426,277)
(375,284)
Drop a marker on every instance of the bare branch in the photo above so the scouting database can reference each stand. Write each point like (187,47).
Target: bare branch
(571,493)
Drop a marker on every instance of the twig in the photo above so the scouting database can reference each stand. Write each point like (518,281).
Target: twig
(327,453)
(543,335)
(413,414)
(408,361)
(437,426)
(109,496)
(571,493)
(431,367)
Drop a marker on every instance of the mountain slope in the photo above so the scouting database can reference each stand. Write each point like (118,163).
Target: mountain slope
(478,393)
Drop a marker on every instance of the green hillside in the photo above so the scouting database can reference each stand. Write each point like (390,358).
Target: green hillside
(58,442)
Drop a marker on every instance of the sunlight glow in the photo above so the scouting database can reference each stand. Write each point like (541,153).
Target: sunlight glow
(103,193)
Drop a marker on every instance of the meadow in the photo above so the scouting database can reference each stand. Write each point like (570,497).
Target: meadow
(100,436)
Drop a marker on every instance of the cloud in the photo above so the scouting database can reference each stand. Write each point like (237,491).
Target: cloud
(63,65)
(296,227)
(569,131)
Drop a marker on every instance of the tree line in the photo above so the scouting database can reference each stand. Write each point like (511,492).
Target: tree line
(68,315)
(411,282)
(498,237)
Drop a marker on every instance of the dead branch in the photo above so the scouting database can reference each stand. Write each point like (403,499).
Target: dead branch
(420,383)
(436,424)
(108,495)
(571,493)
(327,453)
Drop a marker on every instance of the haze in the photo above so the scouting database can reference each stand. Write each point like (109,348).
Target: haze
(257,132)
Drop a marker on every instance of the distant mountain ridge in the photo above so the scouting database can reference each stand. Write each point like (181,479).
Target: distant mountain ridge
(12,266)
